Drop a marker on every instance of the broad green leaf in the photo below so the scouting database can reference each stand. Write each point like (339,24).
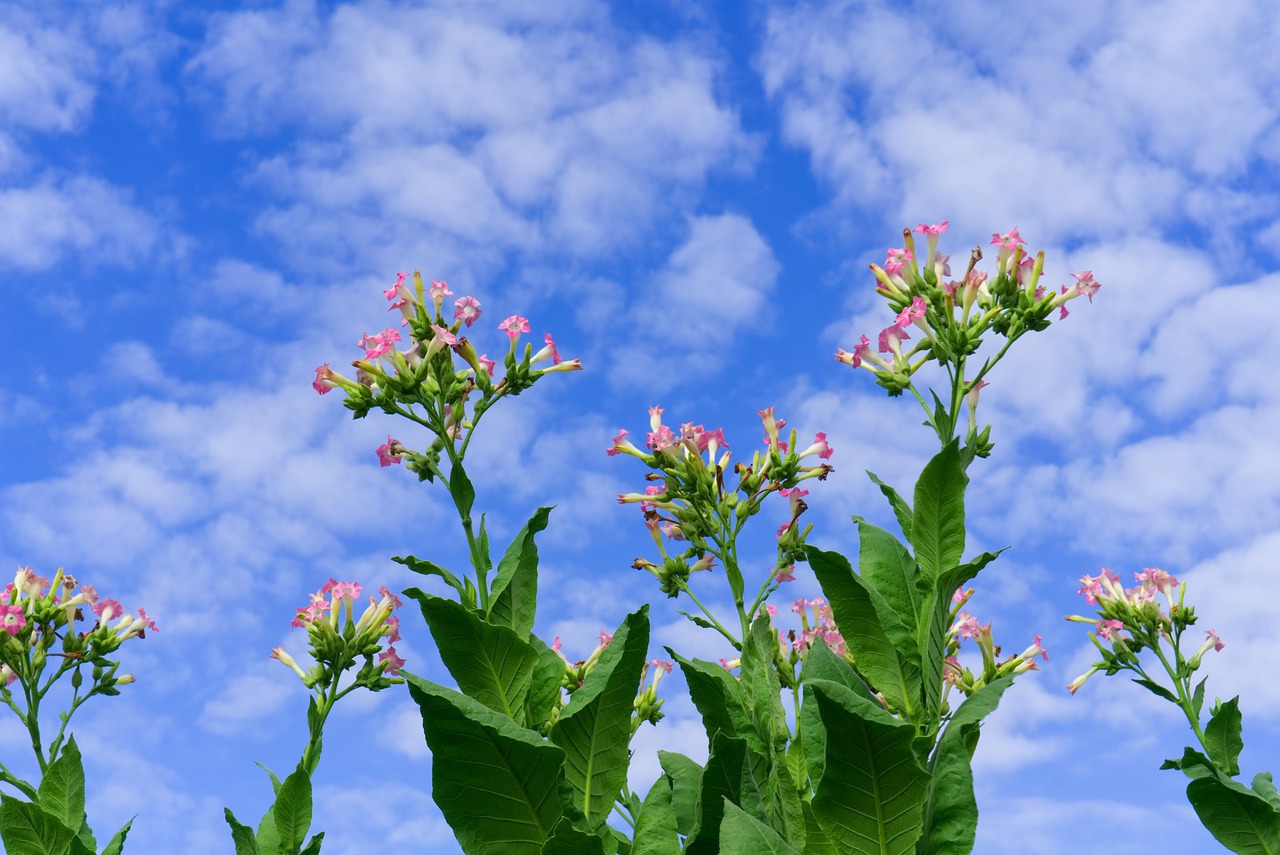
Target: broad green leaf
(931,640)
(464,495)
(882,649)
(427,568)
(515,588)
(816,841)
(870,798)
(901,509)
(545,686)
(494,781)
(686,784)
(292,811)
(61,791)
(718,697)
(761,687)
(116,844)
(956,577)
(268,836)
(1222,737)
(937,524)
(1265,787)
(1236,816)
(594,728)
(722,781)
(313,845)
(29,829)
(951,811)
(656,831)
(568,838)
(490,663)
(823,664)
(743,834)
(1192,763)
(241,835)
(889,568)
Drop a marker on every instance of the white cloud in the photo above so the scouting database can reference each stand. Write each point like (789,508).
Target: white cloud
(44,73)
(248,699)
(490,127)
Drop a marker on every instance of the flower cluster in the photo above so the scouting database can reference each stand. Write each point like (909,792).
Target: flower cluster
(648,706)
(36,612)
(945,319)
(575,673)
(691,500)
(426,376)
(338,639)
(1132,619)
(966,627)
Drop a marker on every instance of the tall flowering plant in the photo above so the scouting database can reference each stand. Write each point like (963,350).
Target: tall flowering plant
(876,755)
(41,643)
(1153,616)
(339,643)
(544,738)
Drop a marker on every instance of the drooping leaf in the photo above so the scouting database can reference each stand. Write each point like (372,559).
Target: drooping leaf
(1237,817)
(1222,736)
(937,523)
(515,588)
(292,811)
(594,728)
(901,509)
(870,797)
(656,830)
(480,758)
(1192,763)
(491,664)
(241,835)
(427,568)
(882,649)
(718,697)
(686,784)
(743,834)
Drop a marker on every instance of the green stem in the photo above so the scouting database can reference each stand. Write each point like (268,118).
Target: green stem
(1182,687)
(684,586)
(7,777)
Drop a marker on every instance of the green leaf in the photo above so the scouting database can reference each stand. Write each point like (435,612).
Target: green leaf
(761,687)
(889,567)
(718,697)
(61,791)
(594,728)
(315,727)
(1222,737)
(901,509)
(494,781)
(743,834)
(567,838)
(1265,787)
(1197,698)
(242,835)
(656,830)
(722,781)
(816,841)
(29,829)
(1156,689)
(116,844)
(545,686)
(951,811)
(823,664)
(1193,764)
(882,649)
(686,784)
(275,780)
(292,811)
(464,495)
(313,845)
(268,836)
(1237,817)
(515,588)
(937,525)
(427,568)
(490,663)
(870,797)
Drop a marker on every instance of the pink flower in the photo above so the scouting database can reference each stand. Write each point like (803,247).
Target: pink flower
(324,380)
(394,662)
(548,351)
(438,291)
(891,338)
(1108,628)
(486,363)
(785,574)
(467,310)
(1008,240)
(621,444)
(12,619)
(147,623)
(966,626)
(1214,640)
(1086,284)
(389,452)
(442,335)
(378,345)
(107,609)
(931,231)
(514,325)
(820,447)
(391,292)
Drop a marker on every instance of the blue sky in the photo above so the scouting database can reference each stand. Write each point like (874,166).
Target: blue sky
(200,205)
